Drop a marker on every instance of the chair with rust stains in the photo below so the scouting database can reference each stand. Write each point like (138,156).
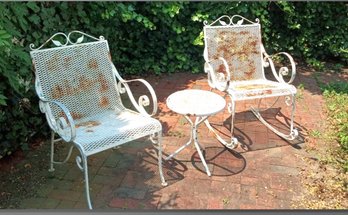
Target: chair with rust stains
(234,61)
(79,90)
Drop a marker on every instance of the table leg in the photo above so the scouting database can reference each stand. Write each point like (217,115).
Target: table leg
(193,137)
(179,149)
(197,145)
(198,121)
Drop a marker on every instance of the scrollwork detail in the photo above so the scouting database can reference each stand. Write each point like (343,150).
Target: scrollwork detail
(283,71)
(154,139)
(67,41)
(143,100)
(79,163)
(121,88)
(288,101)
(231,21)
(55,42)
(218,80)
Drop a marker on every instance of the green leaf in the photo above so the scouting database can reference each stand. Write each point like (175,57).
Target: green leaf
(33,6)
(3,100)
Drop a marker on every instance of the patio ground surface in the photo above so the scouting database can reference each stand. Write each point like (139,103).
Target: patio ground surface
(264,177)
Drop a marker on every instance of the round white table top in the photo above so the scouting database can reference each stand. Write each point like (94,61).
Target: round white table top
(196,102)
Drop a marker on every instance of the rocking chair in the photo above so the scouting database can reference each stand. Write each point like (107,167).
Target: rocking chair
(234,61)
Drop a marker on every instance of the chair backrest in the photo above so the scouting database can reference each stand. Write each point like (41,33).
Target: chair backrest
(239,44)
(79,75)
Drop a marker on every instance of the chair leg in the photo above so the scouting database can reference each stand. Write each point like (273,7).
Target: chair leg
(232,110)
(51,169)
(52,162)
(293,131)
(88,197)
(159,156)
(82,165)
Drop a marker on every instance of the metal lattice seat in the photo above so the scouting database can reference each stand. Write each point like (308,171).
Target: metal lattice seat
(79,90)
(102,131)
(235,59)
(244,90)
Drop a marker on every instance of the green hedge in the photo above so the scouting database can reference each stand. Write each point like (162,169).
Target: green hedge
(148,37)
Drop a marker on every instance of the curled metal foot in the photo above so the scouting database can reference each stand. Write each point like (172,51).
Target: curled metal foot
(233,144)
(294,134)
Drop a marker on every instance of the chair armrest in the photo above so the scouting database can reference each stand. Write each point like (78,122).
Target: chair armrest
(62,124)
(143,100)
(218,79)
(282,70)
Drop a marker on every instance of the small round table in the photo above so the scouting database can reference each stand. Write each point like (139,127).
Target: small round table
(197,103)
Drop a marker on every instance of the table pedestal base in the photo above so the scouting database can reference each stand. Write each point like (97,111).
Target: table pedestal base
(194,139)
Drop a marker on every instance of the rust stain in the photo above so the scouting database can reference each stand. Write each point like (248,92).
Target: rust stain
(265,92)
(103,83)
(52,64)
(67,62)
(104,102)
(67,90)
(250,71)
(252,94)
(74,115)
(92,64)
(222,69)
(57,92)
(268,92)
(85,83)
(244,32)
(253,87)
(254,43)
(88,124)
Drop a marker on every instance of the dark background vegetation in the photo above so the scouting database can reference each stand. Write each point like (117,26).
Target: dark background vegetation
(149,38)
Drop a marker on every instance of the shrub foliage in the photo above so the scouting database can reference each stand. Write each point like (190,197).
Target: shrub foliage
(148,37)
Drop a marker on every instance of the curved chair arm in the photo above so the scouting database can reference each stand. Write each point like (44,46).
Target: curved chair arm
(216,79)
(60,125)
(283,70)
(143,100)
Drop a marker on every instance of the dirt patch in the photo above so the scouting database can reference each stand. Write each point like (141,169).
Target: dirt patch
(22,173)
(325,182)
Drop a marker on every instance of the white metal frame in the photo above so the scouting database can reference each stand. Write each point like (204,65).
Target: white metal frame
(225,82)
(66,126)
(193,102)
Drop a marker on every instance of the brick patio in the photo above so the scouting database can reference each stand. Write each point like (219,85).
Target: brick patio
(265,177)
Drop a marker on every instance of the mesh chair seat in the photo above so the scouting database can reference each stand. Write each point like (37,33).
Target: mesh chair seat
(110,129)
(245,90)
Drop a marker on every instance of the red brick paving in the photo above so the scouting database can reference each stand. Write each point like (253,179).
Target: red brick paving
(263,178)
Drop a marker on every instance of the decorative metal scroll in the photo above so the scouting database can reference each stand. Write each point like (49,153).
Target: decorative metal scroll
(234,20)
(68,40)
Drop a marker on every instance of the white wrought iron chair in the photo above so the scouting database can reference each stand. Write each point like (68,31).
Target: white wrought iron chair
(79,90)
(234,61)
